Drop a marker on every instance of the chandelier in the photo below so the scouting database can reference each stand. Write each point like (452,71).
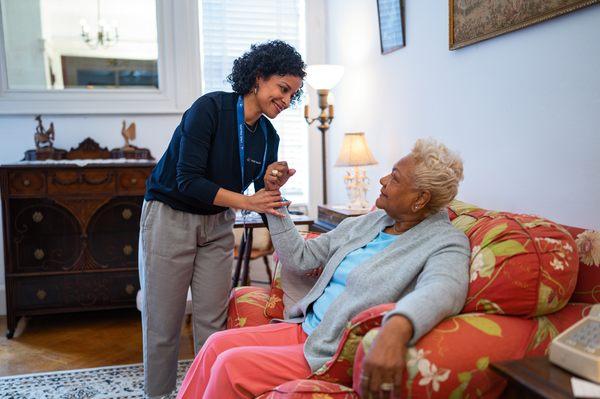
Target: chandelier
(106,34)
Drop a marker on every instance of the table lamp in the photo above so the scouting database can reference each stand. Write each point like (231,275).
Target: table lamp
(355,152)
(323,78)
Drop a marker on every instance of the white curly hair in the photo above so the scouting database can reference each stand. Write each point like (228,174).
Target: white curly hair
(437,170)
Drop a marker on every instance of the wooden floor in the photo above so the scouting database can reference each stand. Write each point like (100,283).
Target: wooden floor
(79,340)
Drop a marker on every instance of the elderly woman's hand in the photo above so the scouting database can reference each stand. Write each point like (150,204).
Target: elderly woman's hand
(277,174)
(383,366)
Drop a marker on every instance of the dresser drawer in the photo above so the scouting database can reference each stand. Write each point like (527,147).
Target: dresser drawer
(77,182)
(132,182)
(27,183)
(113,233)
(89,290)
(44,236)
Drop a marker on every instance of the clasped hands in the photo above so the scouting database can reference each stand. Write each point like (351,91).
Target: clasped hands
(268,199)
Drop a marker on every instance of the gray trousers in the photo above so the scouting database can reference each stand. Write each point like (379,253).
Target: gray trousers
(178,250)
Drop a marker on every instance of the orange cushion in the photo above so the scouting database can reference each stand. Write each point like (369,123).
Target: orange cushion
(520,264)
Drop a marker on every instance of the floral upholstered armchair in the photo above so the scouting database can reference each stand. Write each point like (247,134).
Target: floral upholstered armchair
(530,279)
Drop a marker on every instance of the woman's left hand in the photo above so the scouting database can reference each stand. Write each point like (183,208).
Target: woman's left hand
(383,366)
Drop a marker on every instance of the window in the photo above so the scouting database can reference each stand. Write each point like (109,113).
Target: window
(228,28)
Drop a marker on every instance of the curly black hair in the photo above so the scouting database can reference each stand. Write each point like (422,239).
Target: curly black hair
(264,60)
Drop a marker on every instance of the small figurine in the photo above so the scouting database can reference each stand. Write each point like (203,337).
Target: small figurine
(129,135)
(44,139)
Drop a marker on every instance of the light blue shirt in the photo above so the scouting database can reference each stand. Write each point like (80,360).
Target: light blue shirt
(337,284)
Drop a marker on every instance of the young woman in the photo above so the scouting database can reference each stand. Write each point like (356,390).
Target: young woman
(223,144)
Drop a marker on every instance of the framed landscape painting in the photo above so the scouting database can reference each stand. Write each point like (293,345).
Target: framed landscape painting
(472,21)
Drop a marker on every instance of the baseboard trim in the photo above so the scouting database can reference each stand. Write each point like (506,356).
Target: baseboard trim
(2,300)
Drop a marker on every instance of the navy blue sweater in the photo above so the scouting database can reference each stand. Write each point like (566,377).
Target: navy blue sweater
(203,156)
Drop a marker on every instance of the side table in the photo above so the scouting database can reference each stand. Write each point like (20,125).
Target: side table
(329,216)
(534,377)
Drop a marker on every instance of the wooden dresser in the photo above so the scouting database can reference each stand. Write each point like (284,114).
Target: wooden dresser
(71,233)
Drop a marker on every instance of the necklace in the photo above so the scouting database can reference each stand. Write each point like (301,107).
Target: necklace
(250,127)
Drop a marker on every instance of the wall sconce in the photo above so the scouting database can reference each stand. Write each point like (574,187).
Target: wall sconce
(355,152)
(323,78)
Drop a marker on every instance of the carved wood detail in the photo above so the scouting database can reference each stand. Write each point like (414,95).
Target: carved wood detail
(88,149)
(82,209)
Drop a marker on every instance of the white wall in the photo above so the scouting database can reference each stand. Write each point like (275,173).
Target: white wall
(523,109)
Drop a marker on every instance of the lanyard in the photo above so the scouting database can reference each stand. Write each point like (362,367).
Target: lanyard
(241,142)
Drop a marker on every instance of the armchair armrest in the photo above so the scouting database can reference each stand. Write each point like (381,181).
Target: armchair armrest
(247,307)
(339,368)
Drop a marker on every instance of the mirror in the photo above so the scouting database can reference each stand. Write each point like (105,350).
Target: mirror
(80,44)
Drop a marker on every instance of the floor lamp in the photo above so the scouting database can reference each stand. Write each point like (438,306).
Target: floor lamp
(323,78)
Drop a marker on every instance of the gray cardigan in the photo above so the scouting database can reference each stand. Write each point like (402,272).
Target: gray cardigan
(425,271)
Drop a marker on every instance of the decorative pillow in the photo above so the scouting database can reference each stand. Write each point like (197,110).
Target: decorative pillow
(587,289)
(520,265)
(278,299)
(310,389)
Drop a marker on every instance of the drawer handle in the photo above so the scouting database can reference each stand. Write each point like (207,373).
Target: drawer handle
(65,182)
(37,216)
(127,214)
(27,182)
(41,295)
(133,180)
(129,289)
(127,250)
(97,182)
(39,254)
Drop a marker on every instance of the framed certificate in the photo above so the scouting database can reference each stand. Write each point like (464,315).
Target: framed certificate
(391,25)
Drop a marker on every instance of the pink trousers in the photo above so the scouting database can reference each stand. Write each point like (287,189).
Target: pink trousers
(246,362)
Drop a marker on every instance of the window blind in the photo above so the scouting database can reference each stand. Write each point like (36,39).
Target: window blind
(228,28)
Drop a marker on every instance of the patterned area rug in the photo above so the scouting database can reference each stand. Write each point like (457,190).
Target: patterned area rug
(98,383)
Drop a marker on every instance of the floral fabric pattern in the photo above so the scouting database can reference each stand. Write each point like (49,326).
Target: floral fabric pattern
(439,366)
(310,389)
(247,307)
(588,281)
(520,265)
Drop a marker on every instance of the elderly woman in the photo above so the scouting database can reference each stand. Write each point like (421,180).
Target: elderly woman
(406,252)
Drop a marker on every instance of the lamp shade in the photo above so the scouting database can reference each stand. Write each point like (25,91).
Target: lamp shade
(355,151)
(324,77)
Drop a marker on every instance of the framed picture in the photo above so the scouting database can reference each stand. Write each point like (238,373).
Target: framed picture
(472,21)
(391,25)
